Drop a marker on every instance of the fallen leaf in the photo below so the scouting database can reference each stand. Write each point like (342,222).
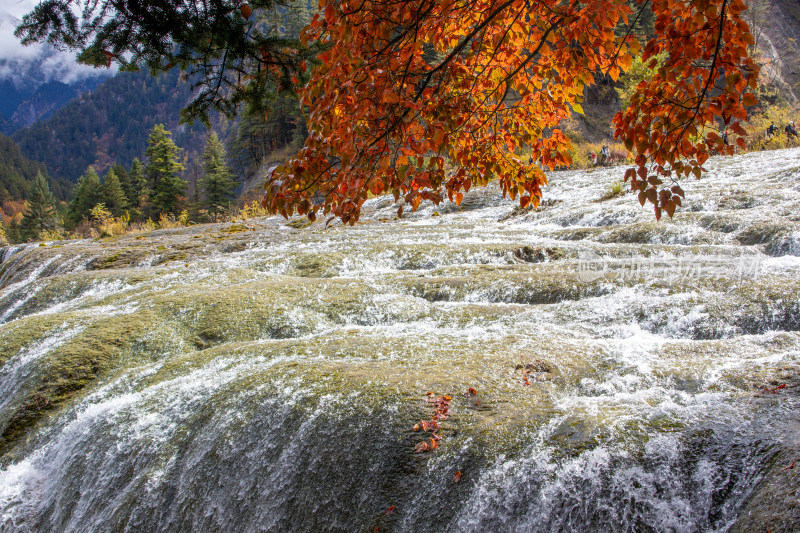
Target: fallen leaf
(390,510)
(775,389)
(421,447)
(457,476)
(790,466)
(472,392)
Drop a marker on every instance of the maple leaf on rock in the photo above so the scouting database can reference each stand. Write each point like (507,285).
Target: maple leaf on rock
(424,99)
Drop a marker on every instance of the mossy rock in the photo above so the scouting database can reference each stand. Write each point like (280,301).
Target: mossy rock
(528,254)
(764,232)
(299,223)
(720,222)
(494,284)
(316,265)
(737,200)
(62,374)
(652,232)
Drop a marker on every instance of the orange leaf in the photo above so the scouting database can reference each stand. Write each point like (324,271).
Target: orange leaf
(390,510)
(457,476)
(421,447)
(246,10)
(749,99)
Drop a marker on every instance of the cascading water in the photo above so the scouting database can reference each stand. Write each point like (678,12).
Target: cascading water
(627,374)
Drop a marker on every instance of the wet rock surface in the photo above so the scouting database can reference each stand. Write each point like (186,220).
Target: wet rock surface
(607,372)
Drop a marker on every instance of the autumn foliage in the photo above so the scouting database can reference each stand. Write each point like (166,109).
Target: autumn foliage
(424,99)
(441,412)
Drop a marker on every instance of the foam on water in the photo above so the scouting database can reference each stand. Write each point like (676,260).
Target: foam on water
(273,384)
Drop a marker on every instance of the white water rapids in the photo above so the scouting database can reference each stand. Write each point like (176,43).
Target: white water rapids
(631,375)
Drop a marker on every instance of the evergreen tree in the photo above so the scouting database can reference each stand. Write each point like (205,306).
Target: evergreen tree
(163,168)
(138,182)
(88,193)
(217,183)
(113,195)
(13,234)
(40,213)
(124,182)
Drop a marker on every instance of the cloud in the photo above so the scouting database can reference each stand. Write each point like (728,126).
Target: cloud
(38,63)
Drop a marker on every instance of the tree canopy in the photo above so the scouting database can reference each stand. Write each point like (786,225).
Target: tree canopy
(405,88)
(426,98)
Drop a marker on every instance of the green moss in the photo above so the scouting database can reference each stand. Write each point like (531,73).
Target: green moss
(63,374)
(615,190)
(235,228)
(299,223)
(529,254)
(737,200)
(764,231)
(720,222)
(507,284)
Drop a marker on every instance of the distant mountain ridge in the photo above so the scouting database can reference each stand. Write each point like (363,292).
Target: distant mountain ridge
(111,124)
(35,81)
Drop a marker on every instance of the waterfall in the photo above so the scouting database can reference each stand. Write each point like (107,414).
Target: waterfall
(603,371)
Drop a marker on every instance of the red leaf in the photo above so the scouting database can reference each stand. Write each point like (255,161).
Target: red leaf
(246,10)
(390,510)
(472,392)
(421,447)
(457,476)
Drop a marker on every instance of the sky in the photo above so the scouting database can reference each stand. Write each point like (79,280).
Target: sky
(16,60)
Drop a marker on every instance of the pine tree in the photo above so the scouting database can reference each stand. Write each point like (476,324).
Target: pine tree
(113,195)
(138,182)
(40,214)
(217,183)
(163,168)
(88,193)
(124,182)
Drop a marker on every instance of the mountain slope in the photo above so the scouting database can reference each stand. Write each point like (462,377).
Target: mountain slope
(36,80)
(111,124)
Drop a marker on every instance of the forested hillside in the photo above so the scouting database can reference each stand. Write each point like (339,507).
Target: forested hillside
(111,124)
(17,174)
(23,104)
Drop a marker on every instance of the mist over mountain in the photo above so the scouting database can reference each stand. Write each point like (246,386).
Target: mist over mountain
(35,80)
